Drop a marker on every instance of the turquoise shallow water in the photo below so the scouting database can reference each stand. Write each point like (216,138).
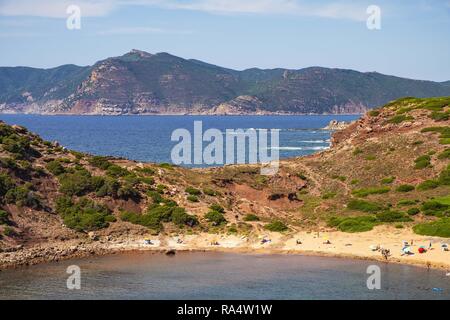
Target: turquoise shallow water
(222,276)
(147,138)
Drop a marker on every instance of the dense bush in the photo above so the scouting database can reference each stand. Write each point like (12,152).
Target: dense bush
(405,188)
(77,183)
(251,217)
(23,196)
(6,183)
(217,207)
(387,180)
(435,208)
(407,202)
(193,191)
(192,198)
(413,211)
(4,219)
(116,171)
(439,228)
(215,217)
(445,154)
(353,224)
(156,215)
(422,162)
(210,192)
(85,215)
(364,206)
(428,185)
(392,216)
(108,187)
(276,226)
(55,168)
(400,118)
(100,162)
(444,177)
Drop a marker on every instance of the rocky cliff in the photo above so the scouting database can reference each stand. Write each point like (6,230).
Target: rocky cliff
(143,83)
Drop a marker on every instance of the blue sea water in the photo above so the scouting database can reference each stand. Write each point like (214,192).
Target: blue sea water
(221,276)
(148,138)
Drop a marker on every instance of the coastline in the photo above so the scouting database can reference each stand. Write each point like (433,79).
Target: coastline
(343,245)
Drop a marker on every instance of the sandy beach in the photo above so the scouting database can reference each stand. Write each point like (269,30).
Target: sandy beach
(348,245)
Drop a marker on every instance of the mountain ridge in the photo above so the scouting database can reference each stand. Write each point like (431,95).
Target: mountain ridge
(139,82)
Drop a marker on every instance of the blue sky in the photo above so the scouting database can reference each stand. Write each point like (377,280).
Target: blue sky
(413,40)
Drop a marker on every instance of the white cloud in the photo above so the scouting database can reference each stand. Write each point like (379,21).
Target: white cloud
(55,8)
(140,31)
(340,9)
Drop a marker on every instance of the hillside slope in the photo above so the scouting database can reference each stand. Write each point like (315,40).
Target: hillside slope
(143,83)
(391,168)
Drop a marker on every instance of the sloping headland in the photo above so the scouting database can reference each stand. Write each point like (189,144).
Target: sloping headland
(142,83)
(385,180)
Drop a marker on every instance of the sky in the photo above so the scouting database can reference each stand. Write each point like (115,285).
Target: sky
(413,38)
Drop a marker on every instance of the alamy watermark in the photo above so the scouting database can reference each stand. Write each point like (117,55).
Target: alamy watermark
(73,21)
(373,22)
(233,146)
(374,280)
(74,280)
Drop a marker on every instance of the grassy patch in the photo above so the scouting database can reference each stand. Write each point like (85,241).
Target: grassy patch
(364,206)
(439,228)
(388,180)
(353,224)
(399,118)
(251,217)
(276,226)
(364,192)
(405,188)
(428,185)
(422,162)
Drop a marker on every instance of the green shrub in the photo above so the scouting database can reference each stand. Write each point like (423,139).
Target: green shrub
(374,113)
(406,203)
(400,118)
(4,219)
(251,217)
(439,228)
(388,180)
(85,215)
(55,168)
(440,116)
(353,224)
(192,198)
(357,151)
(405,188)
(444,177)
(193,191)
(413,211)
(371,157)
(6,183)
(156,196)
(145,170)
(117,171)
(215,217)
(217,207)
(364,206)
(445,154)
(23,196)
(423,162)
(127,191)
(435,208)
(364,192)
(166,165)
(77,183)
(428,185)
(392,216)
(210,192)
(100,162)
(9,232)
(276,226)
(108,187)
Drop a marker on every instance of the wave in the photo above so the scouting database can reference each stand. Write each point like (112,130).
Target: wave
(299,148)
(315,141)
